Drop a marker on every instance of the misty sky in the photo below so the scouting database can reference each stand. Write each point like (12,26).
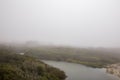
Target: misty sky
(90,23)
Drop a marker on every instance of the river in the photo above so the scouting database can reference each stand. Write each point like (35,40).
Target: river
(81,72)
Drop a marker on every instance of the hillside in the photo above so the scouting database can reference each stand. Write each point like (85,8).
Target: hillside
(20,67)
(89,57)
(93,57)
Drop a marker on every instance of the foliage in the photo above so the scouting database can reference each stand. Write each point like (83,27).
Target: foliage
(21,67)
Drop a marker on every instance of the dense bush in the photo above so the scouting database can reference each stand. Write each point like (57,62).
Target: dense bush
(21,67)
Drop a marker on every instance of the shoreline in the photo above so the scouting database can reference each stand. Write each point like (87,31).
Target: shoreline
(114,69)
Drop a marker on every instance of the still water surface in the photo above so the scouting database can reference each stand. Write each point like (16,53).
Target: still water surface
(81,72)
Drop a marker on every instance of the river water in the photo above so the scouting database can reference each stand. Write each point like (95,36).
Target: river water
(81,72)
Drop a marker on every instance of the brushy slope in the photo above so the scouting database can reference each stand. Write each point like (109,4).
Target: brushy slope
(20,67)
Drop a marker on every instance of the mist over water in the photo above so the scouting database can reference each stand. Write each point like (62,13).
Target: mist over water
(86,23)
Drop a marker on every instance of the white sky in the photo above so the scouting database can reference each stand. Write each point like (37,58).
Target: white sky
(90,23)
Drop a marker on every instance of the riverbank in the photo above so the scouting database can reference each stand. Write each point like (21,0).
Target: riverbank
(114,69)
(97,58)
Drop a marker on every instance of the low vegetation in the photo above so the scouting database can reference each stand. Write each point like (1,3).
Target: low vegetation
(22,67)
(96,58)
(93,57)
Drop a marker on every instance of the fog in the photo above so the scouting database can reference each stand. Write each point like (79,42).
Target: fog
(84,23)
